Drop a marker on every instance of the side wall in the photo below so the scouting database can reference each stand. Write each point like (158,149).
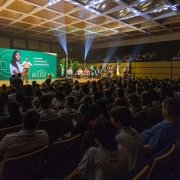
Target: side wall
(151,70)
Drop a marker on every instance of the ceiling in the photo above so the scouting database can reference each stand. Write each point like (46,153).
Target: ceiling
(44,19)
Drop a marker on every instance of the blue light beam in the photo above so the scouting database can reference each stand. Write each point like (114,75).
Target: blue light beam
(111,51)
(89,37)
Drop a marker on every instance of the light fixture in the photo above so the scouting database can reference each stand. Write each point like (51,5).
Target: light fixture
(51,2)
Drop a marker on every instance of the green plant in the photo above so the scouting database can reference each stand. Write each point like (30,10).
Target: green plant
(62,63)
(73,64)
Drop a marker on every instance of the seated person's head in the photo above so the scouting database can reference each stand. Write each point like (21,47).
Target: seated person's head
(4,87)
(97,95)
(85,91)
(77,87)
(84,111)
(93,112)
(31,119)
(19,75)
(107,93)
(44,102)
(13,107)
(120,116)
(88,100)
(171,109)
(19,97)
(60,96)
(120,102)
(5,96)
(67,91)
(120,93)
(69,102)
(51,88)
(103,133)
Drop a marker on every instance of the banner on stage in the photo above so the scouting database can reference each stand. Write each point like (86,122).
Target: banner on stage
(43,63)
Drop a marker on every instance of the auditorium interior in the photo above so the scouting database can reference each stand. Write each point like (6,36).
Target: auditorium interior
(143,36)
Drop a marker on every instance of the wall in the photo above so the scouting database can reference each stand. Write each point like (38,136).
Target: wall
(160,70)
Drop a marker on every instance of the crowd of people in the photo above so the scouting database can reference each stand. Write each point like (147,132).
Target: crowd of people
(106,111)
(176,57)
(128,57)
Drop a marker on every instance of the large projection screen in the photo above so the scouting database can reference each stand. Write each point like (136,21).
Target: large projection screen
(43,63)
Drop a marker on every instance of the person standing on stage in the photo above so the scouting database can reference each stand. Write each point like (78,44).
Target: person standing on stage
(15,66)
(26,65)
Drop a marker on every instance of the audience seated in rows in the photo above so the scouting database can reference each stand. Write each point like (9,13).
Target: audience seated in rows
(24,141)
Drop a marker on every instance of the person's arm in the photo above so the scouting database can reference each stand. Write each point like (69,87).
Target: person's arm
(148,148)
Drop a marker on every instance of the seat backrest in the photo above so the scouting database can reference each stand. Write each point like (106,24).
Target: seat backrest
(152,114)
(142,174)
(29,166)
(8,130)
(134,119)
(159,116)
(160,166)
(87,142)
(63,157)
(66,124)
(51,126)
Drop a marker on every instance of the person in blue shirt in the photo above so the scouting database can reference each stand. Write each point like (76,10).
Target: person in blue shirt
(166,132)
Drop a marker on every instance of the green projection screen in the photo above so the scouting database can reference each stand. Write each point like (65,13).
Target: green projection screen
(43,63)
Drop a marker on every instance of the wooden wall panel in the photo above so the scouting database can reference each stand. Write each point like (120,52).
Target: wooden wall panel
(19,43)
(45,47)
(33,45)
(4,42)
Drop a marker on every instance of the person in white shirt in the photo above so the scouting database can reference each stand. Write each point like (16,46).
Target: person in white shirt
(15,66)
(26,65)
(46,112)
(68,107)
(13,93)
(127,137)
(80,72)
(24,141)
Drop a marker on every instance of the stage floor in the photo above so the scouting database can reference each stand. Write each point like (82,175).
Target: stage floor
(40,81)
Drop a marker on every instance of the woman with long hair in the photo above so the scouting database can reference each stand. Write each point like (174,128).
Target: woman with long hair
(134,103)
(26,104)
(15,66)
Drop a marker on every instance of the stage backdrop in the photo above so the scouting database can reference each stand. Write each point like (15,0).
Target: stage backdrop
(43,63)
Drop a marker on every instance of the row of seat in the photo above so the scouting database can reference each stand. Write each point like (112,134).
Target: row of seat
(147,118)
(55,162)
(164,166)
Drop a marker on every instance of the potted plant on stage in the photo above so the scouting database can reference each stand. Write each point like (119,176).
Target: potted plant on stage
(62,64)
(74,65)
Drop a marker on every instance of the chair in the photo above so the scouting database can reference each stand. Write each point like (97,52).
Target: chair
(76,105)
(66,124)
(141,119)
(134,120)
(142,174)
(151,116)
(159,116)
(86,143)
(37,104)
(8,130)
(63,157)
(51,126)
(25,167)
(161,166)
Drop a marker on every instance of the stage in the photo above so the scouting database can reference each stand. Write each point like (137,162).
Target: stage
(40,81)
